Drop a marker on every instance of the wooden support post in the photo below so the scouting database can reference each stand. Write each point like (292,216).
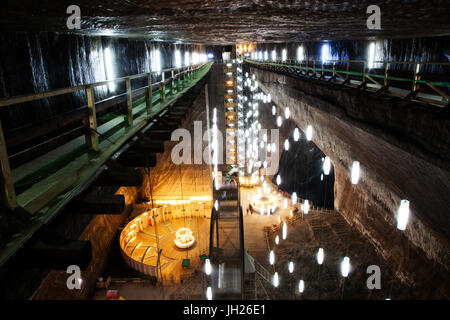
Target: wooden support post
(7,184)
(129,103)
(334,69)
(149,102)
(172,89)
(415,85)
(386,68)
(163,86)
(347,77)
(92,136)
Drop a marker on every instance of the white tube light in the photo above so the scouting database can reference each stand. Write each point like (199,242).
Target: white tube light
(271,257)
(287,113)
(301,286)
(278,180)
(309,133)
(284,230)
(286,144)
(294,197)
(279,121)
(277,240)
(209,293)
(276,281)
(320,256)
(306,207)
(274,110)
(345,266)
(296,134)
(291,267)
(403,215)
(355,172)
(208,267)
(326,166)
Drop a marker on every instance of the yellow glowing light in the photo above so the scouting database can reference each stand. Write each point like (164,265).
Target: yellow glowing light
(184,238)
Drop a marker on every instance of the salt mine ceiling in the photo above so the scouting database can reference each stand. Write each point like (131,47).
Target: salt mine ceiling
(226,22)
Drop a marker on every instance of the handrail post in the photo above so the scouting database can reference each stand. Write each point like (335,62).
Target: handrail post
(172,90)
(386,67)
(91,135)
(334,69)
(364,72)
(149,102)
(129,102)
(163,86)
(415,85)
(347,77)
(8,192)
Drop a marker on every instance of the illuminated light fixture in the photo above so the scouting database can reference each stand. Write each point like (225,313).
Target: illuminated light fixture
(325,53)
(294,197)
(309,132)
(177,58)
(269,98)
(184,238)
(345,266)
(320,256)
(109,66)
(403,215)
(300,54)
(285,203)
(283,55)
(278,180)
(286,144)
(371,55)
(209,293)
(274,148)
(156,60)
(287,113)
(276,281)
(274,55)
(277,239)
(284,234)
(216,205)
(271,257)
(291,267)
(321,177)
(306,207)
(274,110)
(326,166)
(279,121)
(301,286)
(355,172)
(208,267)
(266,55)
(296,134)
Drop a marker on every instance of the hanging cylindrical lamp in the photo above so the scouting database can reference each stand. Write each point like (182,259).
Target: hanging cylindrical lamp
(320,256)
(355,172)
(403,215)
(345,266)
(294,197)
(309,132)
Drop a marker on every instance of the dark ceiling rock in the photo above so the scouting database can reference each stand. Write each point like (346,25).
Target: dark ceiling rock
(226,22)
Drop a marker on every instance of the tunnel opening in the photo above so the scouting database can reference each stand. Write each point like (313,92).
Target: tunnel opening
(301,169)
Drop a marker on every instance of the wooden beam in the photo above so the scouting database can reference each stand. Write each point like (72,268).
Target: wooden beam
(8,193)
(101,204)
(129,103)
(136,159)
(120,176)
(55,255)
(91,135)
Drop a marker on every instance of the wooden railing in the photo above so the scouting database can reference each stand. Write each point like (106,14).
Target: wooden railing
(357,73)
(177,75)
